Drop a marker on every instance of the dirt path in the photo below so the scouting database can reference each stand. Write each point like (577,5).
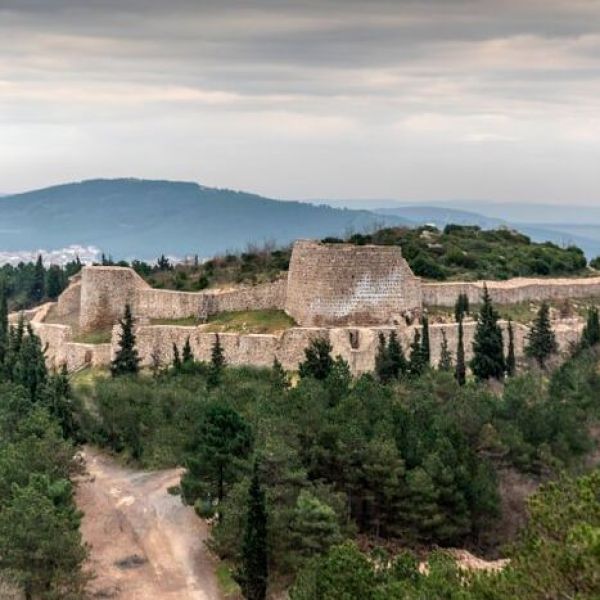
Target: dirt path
(145,544)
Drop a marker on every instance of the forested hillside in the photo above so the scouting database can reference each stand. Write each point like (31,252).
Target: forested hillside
(319,483)
(132,218)
(401,461)
(457,252)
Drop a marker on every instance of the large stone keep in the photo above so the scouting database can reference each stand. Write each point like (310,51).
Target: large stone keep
(345,284)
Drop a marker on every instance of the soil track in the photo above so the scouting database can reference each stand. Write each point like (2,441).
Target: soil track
(145,545)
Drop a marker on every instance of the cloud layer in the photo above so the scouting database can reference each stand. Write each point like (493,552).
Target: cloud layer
(412,99)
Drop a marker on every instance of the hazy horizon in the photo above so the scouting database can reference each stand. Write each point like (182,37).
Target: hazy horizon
(419,102)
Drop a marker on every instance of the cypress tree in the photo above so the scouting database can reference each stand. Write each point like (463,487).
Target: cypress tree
(54,283)
(541,341)
(416,362)
(126,360)
(488,349)
(187,355)
(511,362)
(445,363)
(217,362)
(460,372)
(383,368)
(461,307)
(425,347)
(176,358)
(591,332)
(29,369)
(38,287)
(254,574)
(3,324)
(396,356)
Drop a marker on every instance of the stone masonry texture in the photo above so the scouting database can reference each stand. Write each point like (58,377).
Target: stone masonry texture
(346,294)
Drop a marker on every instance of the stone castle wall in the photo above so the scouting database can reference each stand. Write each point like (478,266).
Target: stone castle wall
(512,291)
(104,291)
(341,284)
(169,304)
(344,293)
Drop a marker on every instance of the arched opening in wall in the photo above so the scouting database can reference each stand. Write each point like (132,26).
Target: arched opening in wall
(354,339)
(87,357)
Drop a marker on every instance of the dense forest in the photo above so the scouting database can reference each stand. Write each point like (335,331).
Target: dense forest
(28,284)
(319,483)
(297,471)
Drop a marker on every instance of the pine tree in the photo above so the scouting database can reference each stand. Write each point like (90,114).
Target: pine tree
(425,347)
(187,355)
(126,361)
(460,372)
(590,336)
(416,364)
(445,363)
(511,361)
(38,287)
(541,341)
(318,362)
(54,282)
(488,349)
(217,362)
(461,307)
(4,329)
(254,574)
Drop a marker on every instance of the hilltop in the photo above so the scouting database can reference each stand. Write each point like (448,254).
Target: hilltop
(133,218)
(457,252)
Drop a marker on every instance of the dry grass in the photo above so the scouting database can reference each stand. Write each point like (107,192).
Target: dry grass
(251,321)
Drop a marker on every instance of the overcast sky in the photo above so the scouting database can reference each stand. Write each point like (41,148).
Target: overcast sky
(409,99)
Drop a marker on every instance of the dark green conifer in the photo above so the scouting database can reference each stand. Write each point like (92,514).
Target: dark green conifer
(126,361)
(460,372)
(416,364)
(38,286)
(254,574)
(425,347)
(445,363)
(176,358)
(54,282)
(4,329)
(461,307)
(280,378)
(488,349)
(511,361)
(396,356)
(187,355)
(590,336)
(541,341)
(217,362)
(29,369)
(318,362)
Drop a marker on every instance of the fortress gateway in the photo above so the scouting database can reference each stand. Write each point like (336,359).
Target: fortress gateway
(342,292)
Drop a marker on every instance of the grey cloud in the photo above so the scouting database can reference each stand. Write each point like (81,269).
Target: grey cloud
(302,78)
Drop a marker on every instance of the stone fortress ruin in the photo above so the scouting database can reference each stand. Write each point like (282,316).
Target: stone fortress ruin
(345,293)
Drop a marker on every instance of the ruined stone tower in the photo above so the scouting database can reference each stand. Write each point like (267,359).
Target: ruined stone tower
(344,284)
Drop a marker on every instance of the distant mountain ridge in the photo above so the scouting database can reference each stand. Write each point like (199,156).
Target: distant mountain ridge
(134,218)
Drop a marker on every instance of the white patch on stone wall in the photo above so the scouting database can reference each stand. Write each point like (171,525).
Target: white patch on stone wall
(368,293)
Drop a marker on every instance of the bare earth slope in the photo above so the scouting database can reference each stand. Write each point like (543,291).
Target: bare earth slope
(144,543)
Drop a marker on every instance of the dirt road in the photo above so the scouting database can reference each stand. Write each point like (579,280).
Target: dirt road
(145,545)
